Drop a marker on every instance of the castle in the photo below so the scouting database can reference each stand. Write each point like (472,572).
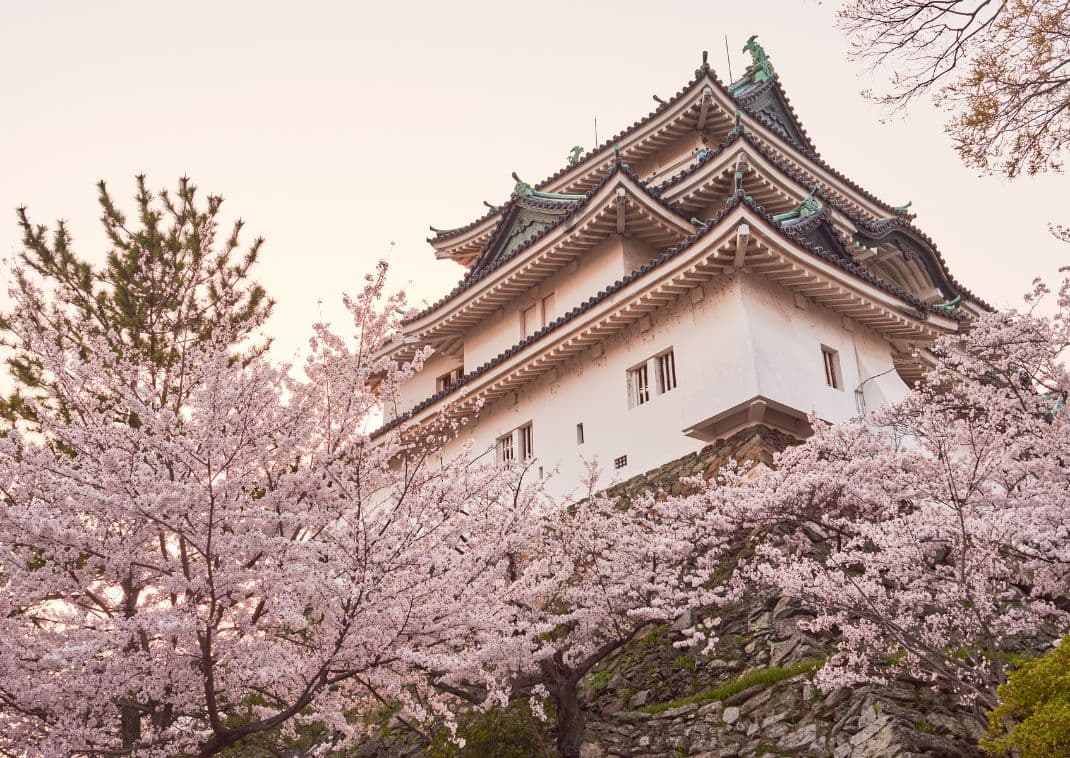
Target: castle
(702,271)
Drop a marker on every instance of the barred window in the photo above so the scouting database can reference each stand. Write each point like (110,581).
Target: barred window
(519,444)
(505,448)
(527,442)
(666,371)
(638,385)
(448,379)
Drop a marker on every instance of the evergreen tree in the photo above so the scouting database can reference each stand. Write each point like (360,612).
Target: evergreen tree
(166,285)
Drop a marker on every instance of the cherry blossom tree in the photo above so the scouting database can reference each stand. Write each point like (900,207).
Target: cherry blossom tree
(1000,68)
(592,576)
(931,537)
(178,576)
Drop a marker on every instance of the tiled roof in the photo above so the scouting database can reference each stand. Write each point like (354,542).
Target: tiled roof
(615,139)
(701,72)
(885,226)
(451,233)
(687,171)
(875,229)
(742,100)
(672,252)
(479,272)
(749,96)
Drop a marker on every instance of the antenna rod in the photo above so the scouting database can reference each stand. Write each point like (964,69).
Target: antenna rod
(728,58)
(596,131)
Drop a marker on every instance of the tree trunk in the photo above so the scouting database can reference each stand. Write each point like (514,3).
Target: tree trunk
(129,725)
(571,717)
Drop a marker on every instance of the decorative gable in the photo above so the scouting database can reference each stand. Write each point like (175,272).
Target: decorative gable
(767,103)
(519,227)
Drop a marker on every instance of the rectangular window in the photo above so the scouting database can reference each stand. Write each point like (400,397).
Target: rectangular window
(638,385)
(505,448)
(831,360)
(666,371)
(527,442)
(537,315)
(448,379)
(579,433)
(529,321)
(621,462)
(548,309)
(518,444)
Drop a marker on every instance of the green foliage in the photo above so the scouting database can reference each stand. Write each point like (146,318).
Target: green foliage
(166,283)
(766,677)
(512,732)
(924,726)
(686,662)
(601,679)
(1033,717)
(307,735)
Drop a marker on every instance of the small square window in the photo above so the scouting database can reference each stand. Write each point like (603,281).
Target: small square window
(831,361)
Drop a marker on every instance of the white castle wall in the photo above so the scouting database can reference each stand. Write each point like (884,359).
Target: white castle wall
(745,337)
(599,267)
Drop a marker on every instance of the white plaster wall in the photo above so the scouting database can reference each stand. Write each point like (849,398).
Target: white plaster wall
(421,385)
(744,337)
(596,269)
(599,267)
(787,343)
(672,159)
(714,368)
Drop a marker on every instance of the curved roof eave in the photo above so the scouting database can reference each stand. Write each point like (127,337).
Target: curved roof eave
(628,179)
(876,230)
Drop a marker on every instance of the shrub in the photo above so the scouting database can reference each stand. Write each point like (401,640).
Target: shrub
(1033,717)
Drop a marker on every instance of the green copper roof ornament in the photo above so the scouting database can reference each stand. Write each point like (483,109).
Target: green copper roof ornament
(950,304)
(760,68)
(741,165)
(903,208)
(574,155)
(521,187)
(737,128)
(617,156)
(705,63)
(524,189)
(810,206)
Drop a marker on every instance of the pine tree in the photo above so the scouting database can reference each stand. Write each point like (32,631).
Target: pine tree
(166,285)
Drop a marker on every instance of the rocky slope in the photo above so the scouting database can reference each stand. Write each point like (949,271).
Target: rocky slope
(754,695)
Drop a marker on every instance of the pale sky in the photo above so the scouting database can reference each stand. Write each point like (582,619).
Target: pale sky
(335,129)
